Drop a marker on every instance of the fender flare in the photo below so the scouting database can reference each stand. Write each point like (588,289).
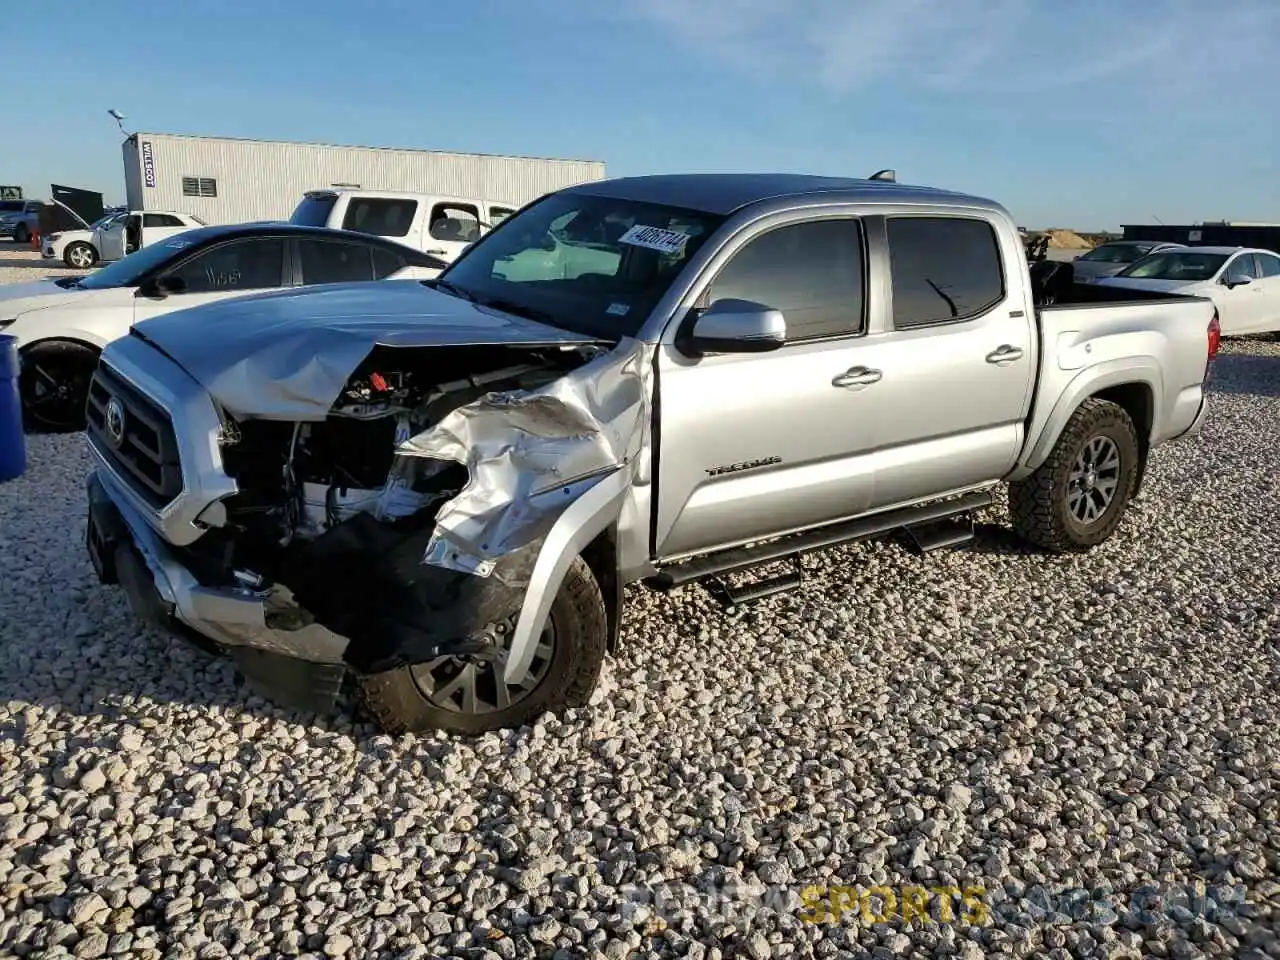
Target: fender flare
(584,520)
(1113,373)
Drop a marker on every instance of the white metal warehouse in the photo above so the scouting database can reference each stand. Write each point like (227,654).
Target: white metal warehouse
(224,180)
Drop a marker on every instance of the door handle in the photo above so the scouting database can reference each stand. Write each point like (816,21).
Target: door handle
(437,253)
(856,376)
(1006,353)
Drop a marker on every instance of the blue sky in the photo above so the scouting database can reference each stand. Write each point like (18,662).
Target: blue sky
(1086,113)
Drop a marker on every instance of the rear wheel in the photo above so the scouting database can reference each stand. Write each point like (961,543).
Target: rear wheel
(467,694)
(54,385)
(80,255)
(1077,497)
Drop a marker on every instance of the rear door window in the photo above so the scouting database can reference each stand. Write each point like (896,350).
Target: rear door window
(254,264)
(1268,264)
(945,269)
(161,220)
(380,216)
(331,261)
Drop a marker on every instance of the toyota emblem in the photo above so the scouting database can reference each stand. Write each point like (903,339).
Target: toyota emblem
(113,420)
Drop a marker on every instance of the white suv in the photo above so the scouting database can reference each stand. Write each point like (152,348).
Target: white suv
(441,226)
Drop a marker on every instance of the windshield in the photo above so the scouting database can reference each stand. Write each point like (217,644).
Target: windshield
(593,265)
(125,272)
(1176,265)
(314,210)
(1116,253)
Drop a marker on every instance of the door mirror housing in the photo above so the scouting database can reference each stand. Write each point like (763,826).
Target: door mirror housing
(157,288)
(1237,282)
(735,326)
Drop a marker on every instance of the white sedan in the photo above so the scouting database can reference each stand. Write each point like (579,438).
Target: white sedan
(62,324)
(1243,282)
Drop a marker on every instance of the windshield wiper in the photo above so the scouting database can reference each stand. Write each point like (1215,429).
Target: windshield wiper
(520,310)
(453,288)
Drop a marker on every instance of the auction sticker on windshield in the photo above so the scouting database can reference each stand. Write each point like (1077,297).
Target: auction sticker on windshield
(655,238)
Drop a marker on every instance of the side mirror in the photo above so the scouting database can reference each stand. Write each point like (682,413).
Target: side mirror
(1237,282)
(735,326)
(157,288)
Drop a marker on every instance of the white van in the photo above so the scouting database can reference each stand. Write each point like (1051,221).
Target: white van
(438,225)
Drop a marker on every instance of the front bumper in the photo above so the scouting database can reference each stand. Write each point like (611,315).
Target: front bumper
(301,667)
(7,230)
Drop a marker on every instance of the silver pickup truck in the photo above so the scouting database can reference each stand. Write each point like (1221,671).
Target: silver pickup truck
(437,491)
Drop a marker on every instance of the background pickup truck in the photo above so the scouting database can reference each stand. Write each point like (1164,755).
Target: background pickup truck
(440,489)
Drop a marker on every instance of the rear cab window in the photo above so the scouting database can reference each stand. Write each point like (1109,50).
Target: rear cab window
(944,269)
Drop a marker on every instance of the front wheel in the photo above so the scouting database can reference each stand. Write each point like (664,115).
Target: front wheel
(21,234)
(1077,497)
(54,385)
(467,694)
(80,255)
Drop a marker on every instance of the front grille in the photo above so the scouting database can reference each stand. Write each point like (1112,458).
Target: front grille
(145,453)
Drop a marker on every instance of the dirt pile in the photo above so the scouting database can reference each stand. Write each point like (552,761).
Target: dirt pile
(1067,240)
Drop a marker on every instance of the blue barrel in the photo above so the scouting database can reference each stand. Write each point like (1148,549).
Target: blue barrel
(13,449)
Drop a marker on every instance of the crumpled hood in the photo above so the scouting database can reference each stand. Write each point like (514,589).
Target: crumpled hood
(286,355)
(20,297)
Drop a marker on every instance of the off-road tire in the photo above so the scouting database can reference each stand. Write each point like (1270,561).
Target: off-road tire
(1038,504)
(398,705)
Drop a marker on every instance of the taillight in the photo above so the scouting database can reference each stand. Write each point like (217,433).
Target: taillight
(1215,335)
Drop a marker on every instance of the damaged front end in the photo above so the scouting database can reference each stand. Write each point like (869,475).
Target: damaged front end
(431,511)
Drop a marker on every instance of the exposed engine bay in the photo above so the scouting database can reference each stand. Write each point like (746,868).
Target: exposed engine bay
(299,480)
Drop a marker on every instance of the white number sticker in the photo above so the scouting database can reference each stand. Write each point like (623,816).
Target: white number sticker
(655,238)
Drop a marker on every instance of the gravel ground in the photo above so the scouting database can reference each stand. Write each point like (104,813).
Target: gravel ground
(984,718)
(22,265)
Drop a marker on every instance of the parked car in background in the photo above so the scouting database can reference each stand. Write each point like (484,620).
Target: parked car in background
(440,226)
(1110,258)
(62,324)
(443,488)
(1243,282)
(76,248)
(136,229)
(19,219)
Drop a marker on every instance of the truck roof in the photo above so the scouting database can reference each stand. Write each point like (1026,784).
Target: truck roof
(725,193)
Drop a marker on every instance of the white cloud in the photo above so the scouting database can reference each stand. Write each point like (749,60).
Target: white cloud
(976,45)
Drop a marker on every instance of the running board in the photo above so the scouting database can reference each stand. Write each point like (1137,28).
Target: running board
(714,566)
(924,538)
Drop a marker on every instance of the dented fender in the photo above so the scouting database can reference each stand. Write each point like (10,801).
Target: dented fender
(585,519)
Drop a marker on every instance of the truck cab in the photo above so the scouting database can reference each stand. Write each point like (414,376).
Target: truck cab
(442,226)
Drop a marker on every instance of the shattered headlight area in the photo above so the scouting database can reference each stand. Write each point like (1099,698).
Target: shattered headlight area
(409,543)
(528,457)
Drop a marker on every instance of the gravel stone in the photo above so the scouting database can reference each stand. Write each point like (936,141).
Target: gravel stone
(986,717)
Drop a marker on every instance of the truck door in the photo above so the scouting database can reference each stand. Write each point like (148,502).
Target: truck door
(755,444)
(957,359)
